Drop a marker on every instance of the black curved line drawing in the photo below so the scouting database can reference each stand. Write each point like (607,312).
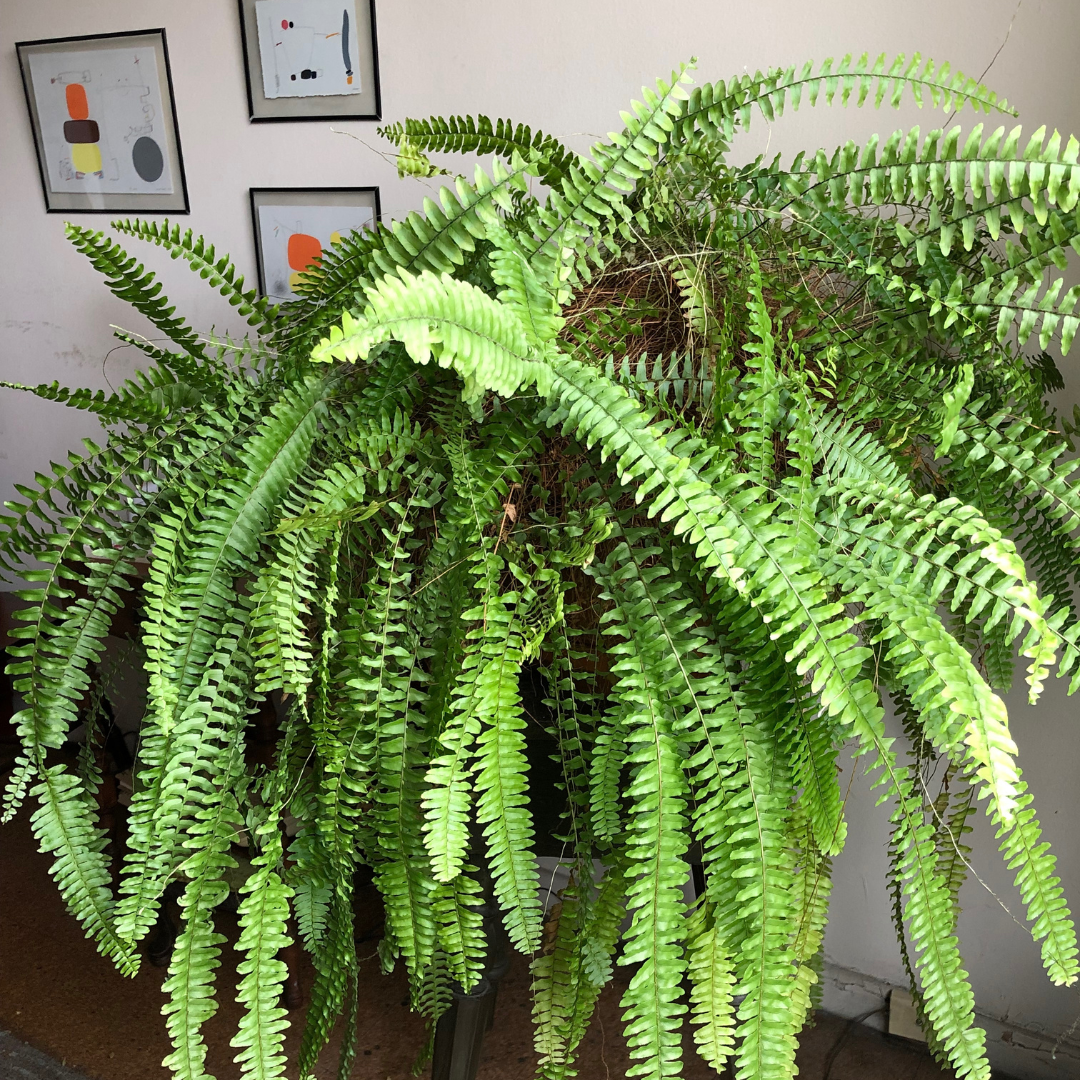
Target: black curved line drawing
(345,44)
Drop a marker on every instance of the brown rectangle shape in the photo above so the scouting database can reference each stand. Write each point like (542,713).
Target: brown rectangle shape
(84,131)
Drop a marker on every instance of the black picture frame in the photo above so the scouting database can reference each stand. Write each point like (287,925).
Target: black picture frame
(105,202)
(300,197)
(263,110)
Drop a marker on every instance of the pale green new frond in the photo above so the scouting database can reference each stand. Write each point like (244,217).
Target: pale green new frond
(441,319)
(522,292)
(712,976)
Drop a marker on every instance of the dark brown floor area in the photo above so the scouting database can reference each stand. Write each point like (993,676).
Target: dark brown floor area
(59,996)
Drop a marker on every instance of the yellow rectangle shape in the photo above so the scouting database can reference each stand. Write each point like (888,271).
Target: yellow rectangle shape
(86,157)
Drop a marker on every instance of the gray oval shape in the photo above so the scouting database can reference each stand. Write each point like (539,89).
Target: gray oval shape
(148,159)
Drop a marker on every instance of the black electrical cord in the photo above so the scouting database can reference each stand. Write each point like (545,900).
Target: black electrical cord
(834,1053)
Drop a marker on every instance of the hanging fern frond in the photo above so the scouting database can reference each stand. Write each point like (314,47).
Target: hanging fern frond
(263,915)
(450,321)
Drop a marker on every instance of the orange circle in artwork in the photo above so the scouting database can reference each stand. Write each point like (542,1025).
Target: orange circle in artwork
(77,105)
(303,250)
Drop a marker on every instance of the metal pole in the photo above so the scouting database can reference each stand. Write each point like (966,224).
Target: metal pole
(459,1034)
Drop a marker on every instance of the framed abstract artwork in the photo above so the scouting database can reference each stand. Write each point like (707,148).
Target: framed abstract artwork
(104,123)
(310,59)
(294,226)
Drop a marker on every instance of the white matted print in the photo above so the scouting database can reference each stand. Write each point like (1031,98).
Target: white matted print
(103,125)
(308,48)
(293,237)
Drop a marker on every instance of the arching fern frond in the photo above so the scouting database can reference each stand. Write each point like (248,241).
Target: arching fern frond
(130,282)
(220,273)
(478,135)
(718,108)
(449,321)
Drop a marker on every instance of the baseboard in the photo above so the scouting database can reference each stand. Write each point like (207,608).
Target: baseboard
(1014,1051)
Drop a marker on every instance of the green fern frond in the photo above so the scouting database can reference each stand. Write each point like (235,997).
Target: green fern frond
(1024,850)
(264,912)
(502,795)
(62,828)
(127,279)
(656,837)
(335,967)
(212,831)
(184,616)
(478,135)
(144,405)
(712,976)
(220,273)
(449,321)
(718,108)
(591,204)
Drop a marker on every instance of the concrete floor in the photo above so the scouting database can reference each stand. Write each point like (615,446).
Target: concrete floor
(21,1062)
(60,997)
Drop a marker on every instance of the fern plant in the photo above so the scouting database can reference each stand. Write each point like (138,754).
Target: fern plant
(733,459)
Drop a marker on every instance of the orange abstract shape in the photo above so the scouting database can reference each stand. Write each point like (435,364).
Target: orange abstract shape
(77,105)
(303,251)
(86,157)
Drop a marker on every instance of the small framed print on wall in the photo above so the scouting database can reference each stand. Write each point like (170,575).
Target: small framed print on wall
(104,123)
(310,59)
(293,226)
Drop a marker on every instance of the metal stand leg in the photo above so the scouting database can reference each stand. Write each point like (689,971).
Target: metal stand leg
(160,946)
(459,1034)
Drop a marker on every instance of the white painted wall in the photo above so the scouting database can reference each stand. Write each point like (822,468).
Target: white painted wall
(566,66)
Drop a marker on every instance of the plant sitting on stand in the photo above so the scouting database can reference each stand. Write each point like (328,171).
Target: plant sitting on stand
(733,459)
